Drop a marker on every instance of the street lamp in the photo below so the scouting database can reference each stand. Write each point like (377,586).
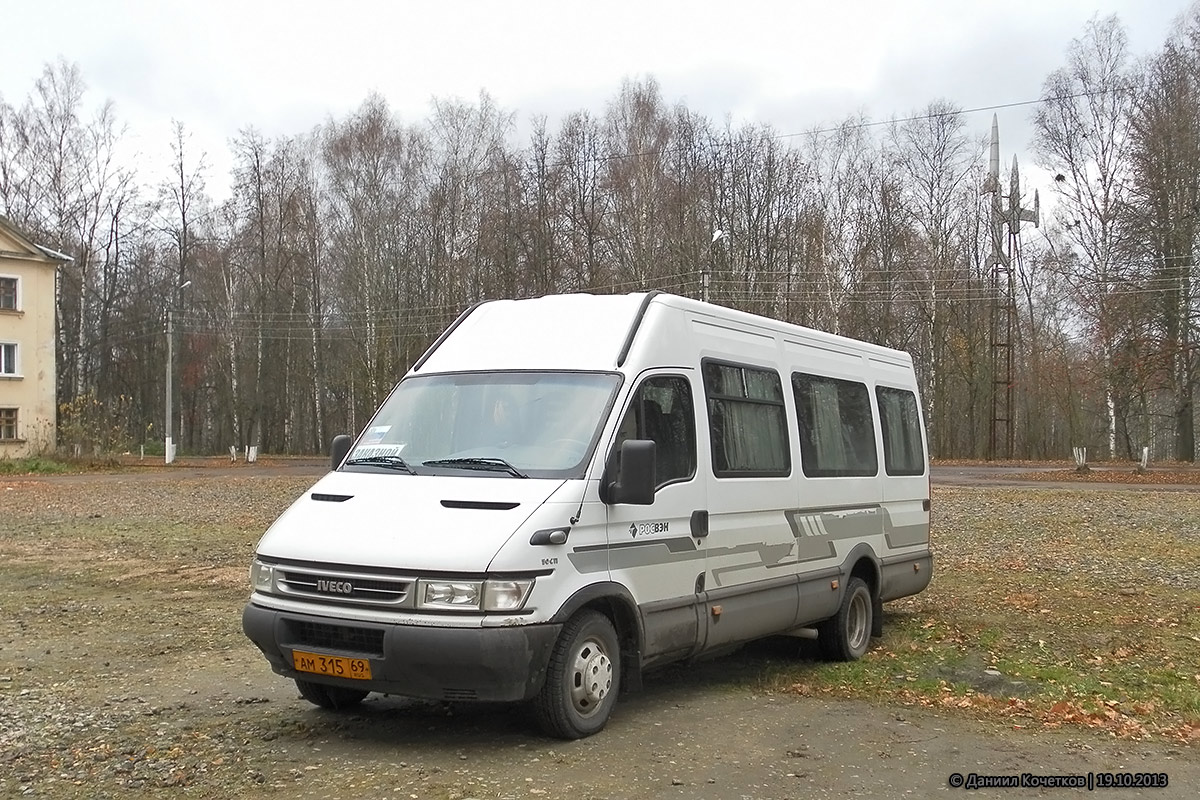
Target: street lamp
(169,450)
(705,274)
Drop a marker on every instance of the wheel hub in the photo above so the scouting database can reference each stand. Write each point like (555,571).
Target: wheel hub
(858,622)
(591,679)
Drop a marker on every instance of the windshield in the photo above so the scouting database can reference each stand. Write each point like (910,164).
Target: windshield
(517,424)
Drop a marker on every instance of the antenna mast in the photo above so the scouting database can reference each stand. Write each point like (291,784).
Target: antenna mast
(1003,263)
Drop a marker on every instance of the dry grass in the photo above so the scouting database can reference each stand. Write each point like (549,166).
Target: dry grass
(1048,608)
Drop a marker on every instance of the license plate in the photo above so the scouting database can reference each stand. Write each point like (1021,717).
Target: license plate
(337,666)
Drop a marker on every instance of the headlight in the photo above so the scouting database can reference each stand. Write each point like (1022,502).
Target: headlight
(489,595)
(449,594)
(507,595)
(262,576)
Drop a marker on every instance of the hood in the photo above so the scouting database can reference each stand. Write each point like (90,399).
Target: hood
(407,522)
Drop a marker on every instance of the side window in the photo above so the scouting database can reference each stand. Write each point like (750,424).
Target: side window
(749,425)
(903,453)
(837,434)
(662,412)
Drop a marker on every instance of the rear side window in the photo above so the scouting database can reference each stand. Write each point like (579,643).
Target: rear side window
(837,434)
(749,426)
(903,453)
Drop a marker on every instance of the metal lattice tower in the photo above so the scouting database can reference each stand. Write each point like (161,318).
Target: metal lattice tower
(1003,263)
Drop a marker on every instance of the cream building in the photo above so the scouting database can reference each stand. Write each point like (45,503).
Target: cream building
(27,344)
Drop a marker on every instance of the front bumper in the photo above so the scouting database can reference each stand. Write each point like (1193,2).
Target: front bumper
(488,664)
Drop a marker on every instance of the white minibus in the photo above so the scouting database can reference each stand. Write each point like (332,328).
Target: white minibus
(566,491)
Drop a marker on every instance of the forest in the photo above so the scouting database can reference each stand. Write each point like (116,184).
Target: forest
(342,252)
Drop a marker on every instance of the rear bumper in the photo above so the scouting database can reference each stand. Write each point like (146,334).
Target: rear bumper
(489,664)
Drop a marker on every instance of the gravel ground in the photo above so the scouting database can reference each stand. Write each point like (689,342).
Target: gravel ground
(124,673)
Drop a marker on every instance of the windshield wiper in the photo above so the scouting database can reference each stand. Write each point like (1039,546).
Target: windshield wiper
(391,462)
(491,464)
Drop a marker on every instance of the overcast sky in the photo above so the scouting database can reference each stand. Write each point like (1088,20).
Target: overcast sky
(222,65)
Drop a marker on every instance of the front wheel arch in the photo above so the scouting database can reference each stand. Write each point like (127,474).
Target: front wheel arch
(614,601)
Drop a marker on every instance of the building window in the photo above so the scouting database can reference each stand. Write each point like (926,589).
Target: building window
(8,294)
(837,433)
(8,424)
(8,358)
(903,453)
(749,429)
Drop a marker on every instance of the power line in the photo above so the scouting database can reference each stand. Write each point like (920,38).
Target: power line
(944,114)
(605,158)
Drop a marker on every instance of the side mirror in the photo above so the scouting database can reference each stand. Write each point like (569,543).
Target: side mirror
(339,449)
(638,477)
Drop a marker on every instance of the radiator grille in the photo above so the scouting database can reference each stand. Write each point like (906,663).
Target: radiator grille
(346,588)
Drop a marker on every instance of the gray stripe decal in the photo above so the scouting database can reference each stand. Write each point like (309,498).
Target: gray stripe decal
(592,561)
(814,532)
(833,524)
(769,555)
(907,535)
(904,535)
(677,544)
(823,509)
(623,555)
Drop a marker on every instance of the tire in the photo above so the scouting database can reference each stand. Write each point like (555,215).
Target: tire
(335,698)
(847,634)
(582,678)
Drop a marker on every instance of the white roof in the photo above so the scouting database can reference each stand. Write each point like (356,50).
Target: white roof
(588,332)
(571,331)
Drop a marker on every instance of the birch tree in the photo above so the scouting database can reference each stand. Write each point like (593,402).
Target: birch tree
(1082,137)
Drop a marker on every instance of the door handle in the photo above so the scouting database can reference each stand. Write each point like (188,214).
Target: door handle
(700,523)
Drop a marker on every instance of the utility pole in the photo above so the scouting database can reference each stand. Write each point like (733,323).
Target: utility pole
(169,449)
(706,272)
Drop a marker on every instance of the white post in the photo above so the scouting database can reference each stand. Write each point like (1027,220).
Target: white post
(1080,456)
(706,270)
(169,449)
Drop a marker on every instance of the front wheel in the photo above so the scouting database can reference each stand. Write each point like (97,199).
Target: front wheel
(847,634)
(582,678)
(334,698)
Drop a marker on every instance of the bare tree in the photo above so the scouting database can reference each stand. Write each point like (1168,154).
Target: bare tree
(581,203)
(62,180)
(1161,219)
(182,203)
(1082,137)
(637,134)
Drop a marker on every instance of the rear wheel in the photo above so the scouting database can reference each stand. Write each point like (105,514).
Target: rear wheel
(846,635)
(582,678)
(334,698)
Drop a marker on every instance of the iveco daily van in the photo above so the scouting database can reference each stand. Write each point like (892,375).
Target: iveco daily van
(565,491)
